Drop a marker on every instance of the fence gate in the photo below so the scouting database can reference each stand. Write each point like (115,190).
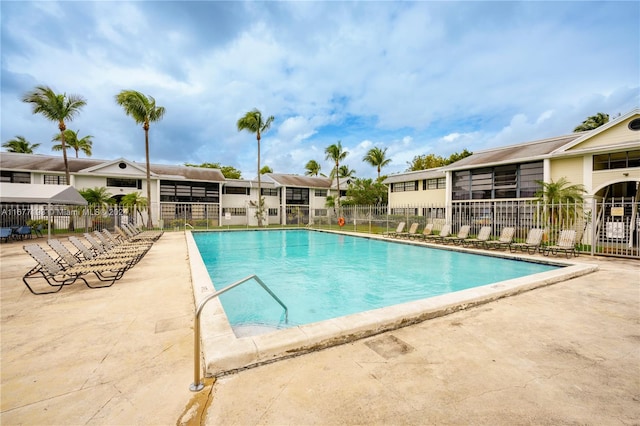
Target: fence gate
(617,228)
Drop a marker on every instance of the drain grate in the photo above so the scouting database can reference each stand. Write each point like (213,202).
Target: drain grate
(389,346)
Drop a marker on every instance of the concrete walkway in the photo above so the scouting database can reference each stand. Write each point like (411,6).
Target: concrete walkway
(564,354)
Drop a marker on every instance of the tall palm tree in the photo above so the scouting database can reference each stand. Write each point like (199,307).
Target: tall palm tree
(144,111)
(71,139)
(20,145)
(134,203)
(254,123)
(58,108)
(336,154)
(313,168)
(377,158)
(592,122)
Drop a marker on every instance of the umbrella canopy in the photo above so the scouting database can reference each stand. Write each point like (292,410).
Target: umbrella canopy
(40,194)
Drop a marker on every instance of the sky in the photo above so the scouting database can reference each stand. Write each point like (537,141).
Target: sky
(415,78)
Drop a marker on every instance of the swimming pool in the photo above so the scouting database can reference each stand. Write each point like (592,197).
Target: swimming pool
(320,276)
(223,351)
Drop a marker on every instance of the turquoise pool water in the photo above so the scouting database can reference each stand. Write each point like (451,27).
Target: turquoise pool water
(321,275)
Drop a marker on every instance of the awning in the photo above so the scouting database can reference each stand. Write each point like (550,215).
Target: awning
(40,194)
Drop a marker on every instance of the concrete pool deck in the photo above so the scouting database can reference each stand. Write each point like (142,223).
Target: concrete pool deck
(565,353)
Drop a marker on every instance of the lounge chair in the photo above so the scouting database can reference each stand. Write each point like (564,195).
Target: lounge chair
(463,234)
(532,243)
(38,230)
(84,253)
(413,231)
(444,232)
(566,243)
(398,230)
(483,236)
(101,249)
(506,237)
(65,257)
(139,233)
(57,275)
(428,229)
(23,232)
(5,234)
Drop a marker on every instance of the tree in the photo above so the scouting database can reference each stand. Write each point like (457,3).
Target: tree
(254,123)
(20,145)
(345,172)
(229,172)
(135,202)
(430,161)
(144,111)
(58,108)
(365,192)
(312,168)
(336,154)
(98,196)
(377,158)
(593,122)
(266,169)
(458,156)
(424,162)
(561,200)
(71,139)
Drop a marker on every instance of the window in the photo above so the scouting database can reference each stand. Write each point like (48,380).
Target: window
(124,183)
(269,192)
(234,190)
(15,177)
(438,183)
(404,186)
(320,193)
(203,192)
(298,196)
(319,212)
(273,212)
(234,211)
(510,181)
(55,180)
(616,160)
(634,124)
(404,211)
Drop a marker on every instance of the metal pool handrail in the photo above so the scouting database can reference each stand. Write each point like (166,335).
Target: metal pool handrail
(197,384)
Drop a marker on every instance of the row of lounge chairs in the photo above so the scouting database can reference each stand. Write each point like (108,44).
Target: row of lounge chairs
(102,254)
(565,244)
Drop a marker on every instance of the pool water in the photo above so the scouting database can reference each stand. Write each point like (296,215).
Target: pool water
(321,275)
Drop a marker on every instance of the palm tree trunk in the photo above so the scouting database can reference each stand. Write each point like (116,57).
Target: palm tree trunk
(259,185)
(146,147)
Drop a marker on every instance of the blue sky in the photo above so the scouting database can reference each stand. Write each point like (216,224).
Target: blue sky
(414,77)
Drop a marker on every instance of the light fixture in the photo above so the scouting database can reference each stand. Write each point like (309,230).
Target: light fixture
(625,174)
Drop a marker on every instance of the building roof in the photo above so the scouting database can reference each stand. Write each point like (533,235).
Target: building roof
(48,163)
(299,181)
(530,151)
(434,173)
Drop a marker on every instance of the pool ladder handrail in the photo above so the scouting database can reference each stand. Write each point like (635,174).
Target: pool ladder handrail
(197,384)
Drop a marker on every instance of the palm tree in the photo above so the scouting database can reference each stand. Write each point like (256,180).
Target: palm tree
(593,122)
(20,145)
(71,139)
(58,108)
(254,123)
(134,202)
(313,168)
(345,172)
(98,196)
(377,158)
(144,111)
(561,200)
(336,154)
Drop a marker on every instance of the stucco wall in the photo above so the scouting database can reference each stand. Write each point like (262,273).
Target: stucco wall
(569,168)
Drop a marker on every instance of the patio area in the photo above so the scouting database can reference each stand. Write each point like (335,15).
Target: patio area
(563,354)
